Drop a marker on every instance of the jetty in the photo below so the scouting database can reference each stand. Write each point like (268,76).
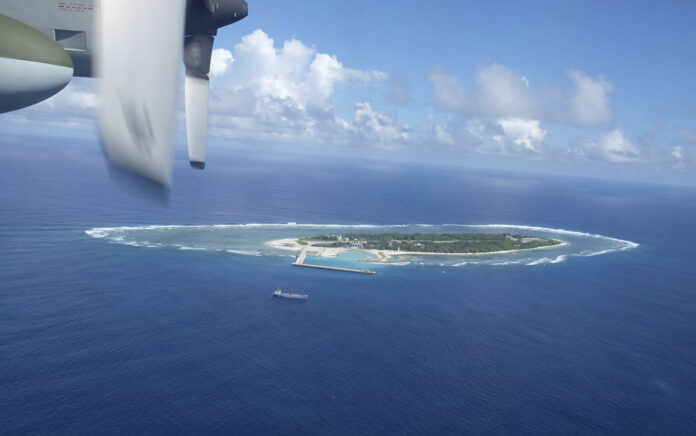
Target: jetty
(302,256)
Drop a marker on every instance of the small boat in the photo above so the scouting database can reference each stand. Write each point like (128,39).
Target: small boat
(290,294)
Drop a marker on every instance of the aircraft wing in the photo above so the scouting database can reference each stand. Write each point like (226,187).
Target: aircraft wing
(139,62)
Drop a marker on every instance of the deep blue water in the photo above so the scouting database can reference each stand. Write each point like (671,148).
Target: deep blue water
(104,338)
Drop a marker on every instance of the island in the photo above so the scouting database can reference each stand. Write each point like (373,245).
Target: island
(385,246)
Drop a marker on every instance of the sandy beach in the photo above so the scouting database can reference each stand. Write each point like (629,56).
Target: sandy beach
(291,244)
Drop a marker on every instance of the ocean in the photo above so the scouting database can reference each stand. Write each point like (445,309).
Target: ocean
(120,314)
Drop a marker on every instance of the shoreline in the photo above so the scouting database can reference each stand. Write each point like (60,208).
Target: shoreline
(382,256)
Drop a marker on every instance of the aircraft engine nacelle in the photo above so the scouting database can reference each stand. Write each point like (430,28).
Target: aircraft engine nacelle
(33,67)
(224,12)
(206,16)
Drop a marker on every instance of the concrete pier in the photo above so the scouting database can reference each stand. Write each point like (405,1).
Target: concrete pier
(302,255)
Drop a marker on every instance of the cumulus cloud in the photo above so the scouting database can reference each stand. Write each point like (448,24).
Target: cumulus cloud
(514,137)
(220,62)
(589,103)
(500,92)
(506,136)
(372,125)
(611,147)
(285,93)
(523,132)
(293,72)
(326,72)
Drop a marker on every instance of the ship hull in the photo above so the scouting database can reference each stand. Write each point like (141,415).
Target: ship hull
(291,296)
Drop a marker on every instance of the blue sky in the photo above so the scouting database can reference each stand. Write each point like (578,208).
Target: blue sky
(588,88)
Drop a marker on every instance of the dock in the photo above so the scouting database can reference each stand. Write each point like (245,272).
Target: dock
(302,255)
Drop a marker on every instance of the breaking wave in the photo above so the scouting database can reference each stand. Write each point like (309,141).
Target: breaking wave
(543,260)
(249,240)
(245,252)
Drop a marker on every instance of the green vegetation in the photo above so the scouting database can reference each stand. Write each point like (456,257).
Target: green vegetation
(432,242)
(329,244)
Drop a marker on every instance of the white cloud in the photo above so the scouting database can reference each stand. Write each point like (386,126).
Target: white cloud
(443,136)
(500,92)
(372,125)
(677,153)
(503,92)
(220,62)
(589,103)
(285,93)
(525,138)
(294,72)
(506,136)
(448,90)
(611,147)
(324,73)
(523,132)
(681,159)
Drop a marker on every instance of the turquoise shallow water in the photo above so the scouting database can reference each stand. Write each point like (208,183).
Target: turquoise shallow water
(355,259)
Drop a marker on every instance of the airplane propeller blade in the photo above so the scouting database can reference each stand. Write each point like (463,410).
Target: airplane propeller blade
(197,53)
(138,61)
(197,119)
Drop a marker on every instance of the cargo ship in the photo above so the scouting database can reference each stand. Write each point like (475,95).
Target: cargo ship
(292,295)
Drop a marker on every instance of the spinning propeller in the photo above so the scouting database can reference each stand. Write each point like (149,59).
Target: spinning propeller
(138,61)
